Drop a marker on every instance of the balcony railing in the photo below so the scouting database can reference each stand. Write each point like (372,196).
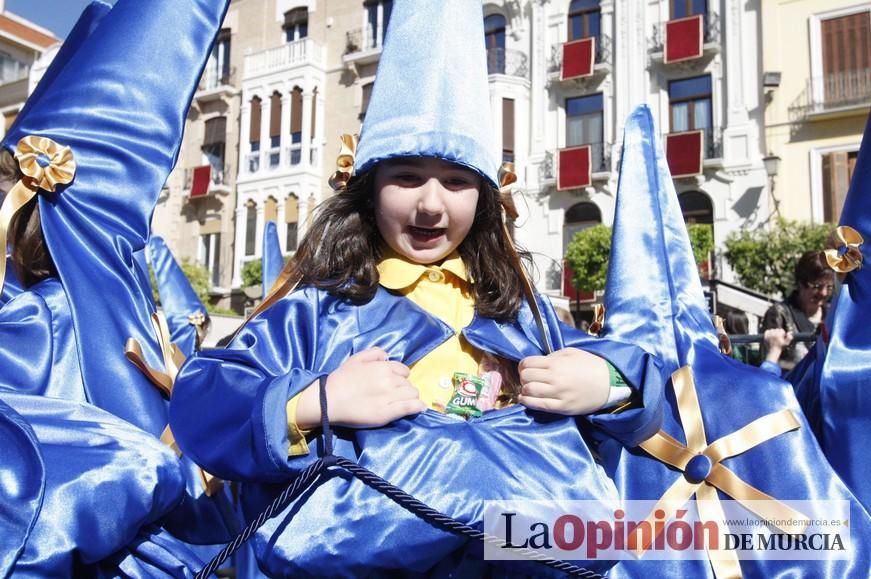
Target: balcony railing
(363,39)
(509,62)
(217,176)
(603,53)
(712,139)
(710,31)
(843,90)
(296,53)
(212,79)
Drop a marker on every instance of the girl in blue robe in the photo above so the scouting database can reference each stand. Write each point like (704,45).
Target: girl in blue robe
(406,277)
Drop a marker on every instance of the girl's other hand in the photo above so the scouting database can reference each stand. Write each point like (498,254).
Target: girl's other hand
(367,390)
(568,381)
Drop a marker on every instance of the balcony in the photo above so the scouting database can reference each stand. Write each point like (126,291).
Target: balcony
(302,52)
(601,62)
(214,85)
(363,46)
(710,38)
(688,152)
(832,96)
(596,155)
(507,62)
(205,180)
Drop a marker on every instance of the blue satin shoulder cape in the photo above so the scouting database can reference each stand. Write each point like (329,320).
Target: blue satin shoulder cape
(343,528)
(87,483)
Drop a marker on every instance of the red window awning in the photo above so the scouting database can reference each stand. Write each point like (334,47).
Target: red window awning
(200,182)
(685,153)
(683,39)
(579,56)
(575,168)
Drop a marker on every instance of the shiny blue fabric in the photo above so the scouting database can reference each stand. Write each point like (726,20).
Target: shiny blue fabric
(178,300)
(835,395)
(273,260)
(103,480)
(666,314)
(22,485)
(431,97)
(120,103)
(344,527)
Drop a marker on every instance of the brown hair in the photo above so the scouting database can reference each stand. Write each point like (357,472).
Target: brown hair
(811,266)
(30,256)
(341,249)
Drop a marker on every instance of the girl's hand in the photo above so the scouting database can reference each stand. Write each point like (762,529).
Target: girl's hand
(367,390)
(569,381)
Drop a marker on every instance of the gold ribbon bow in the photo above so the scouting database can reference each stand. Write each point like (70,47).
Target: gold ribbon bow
(847,256)
(344,162)
(44,165)
(598,320)
(172,360)
(665,448)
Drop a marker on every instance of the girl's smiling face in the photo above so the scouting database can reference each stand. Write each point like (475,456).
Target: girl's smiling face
(424,207)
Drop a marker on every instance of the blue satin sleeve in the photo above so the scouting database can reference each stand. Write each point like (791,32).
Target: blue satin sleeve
(104,480)
(228,409)
(153,553)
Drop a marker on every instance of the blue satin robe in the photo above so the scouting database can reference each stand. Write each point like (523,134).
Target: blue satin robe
(78,485)
(344,528)
(38,356)
(790,466)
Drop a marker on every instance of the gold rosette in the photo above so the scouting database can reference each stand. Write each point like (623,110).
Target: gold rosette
(507,178)
(44,165)
(344,162)
(846,256)
(598,320)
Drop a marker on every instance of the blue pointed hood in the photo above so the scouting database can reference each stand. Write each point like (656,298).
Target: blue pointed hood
(119,105)
(431,95)
(273,260)
(186,316)
(653,295)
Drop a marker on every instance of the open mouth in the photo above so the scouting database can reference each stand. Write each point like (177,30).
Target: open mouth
(426,233)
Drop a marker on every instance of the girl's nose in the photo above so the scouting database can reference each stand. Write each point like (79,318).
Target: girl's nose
(431,197)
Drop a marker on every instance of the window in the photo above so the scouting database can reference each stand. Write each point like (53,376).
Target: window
(214,143)
(507,130)
(690,107)
(684,8)
(250,228)
(364,99)
(295,151)
(209,257)
(274,130)
(377,19)
(494,40)
(696,207)
(254,135)
(291,216)
(837,170)
(218,66)
(11,69)
(584,126)
(584,19)
(846,59)
(295,24)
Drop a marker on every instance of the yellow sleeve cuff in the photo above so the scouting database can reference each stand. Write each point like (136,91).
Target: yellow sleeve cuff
(295,434)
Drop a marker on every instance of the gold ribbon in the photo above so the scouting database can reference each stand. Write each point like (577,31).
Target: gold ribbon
(172,360)
(665,448)
(344,162)
(598,320)
(44,165)
(847,256)
(198,321)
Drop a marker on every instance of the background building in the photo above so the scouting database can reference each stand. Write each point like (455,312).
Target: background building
(25,51)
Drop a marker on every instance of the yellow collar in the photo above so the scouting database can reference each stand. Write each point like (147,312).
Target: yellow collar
(396,272)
